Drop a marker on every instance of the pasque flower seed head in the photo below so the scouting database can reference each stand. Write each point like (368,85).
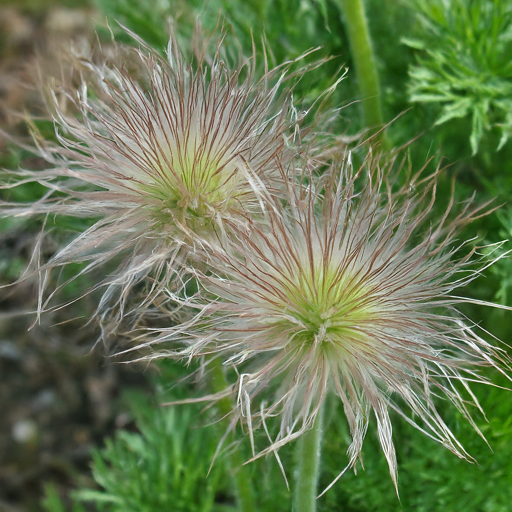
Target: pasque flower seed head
(343,288)
(153,149)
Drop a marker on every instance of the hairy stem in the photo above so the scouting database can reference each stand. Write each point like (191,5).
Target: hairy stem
(242,477)
(308,467)
(364,60)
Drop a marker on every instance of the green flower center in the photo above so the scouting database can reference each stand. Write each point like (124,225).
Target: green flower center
(324,307)
(196,191)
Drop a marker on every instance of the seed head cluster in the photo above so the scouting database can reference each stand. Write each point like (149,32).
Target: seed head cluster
(342,292)
(313,276)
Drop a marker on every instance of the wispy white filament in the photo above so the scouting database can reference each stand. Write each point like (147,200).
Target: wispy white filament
(154,150)
(343,288)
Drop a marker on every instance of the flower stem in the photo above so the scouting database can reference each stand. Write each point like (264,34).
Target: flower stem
(308,466)
(364,60)
(242,477)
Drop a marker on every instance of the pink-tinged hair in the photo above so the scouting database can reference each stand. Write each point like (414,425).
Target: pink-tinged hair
(345,287)
(154,150)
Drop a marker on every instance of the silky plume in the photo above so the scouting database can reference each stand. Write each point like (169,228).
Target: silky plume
(154,151)
(346,286)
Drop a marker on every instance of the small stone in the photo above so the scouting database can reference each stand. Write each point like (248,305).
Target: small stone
(8,350)
(43,400)
(25,431)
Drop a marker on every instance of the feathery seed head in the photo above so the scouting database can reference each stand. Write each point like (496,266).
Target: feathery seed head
(158,148)
(342,291)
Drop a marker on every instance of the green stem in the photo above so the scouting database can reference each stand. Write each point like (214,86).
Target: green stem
(308,467)
(364,60)
(242,477)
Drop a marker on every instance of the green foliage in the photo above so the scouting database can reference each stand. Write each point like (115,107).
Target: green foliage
(464,63)
(149,20)
(502,270)
(162,462)
(430,478)
(53,503)
(289,28)
(162,466)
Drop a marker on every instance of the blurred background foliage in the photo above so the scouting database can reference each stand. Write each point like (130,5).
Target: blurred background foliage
(446,70)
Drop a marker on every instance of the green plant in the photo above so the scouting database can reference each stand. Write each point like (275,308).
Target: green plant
(162,466)
(430,480)
(53,503)
(464,63)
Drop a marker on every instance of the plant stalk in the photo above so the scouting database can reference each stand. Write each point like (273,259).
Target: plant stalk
(309,448)
(242,477)
(364,60)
